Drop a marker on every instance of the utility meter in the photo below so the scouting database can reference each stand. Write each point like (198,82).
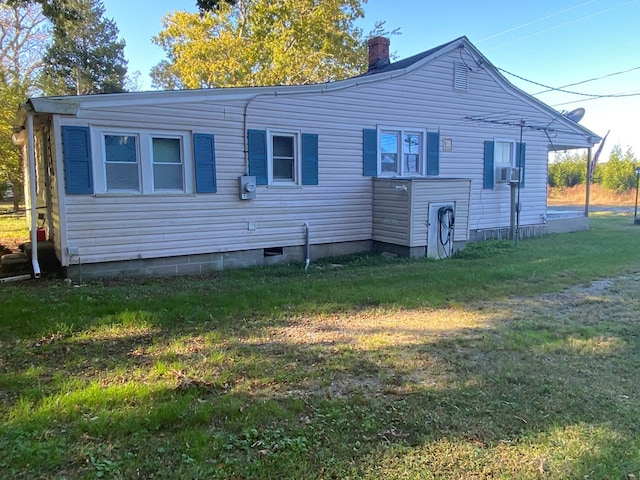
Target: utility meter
(247,187)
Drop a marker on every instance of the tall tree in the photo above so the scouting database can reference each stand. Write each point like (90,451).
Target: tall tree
(86,56)
(56,11)
(24,33)
(211,5)
(261,42)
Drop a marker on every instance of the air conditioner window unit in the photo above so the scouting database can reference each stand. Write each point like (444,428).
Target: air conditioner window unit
(503,174)
(515,175)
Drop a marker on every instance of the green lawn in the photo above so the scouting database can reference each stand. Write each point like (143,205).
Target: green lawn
(503,362)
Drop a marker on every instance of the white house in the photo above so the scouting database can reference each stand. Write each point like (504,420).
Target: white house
(418,156)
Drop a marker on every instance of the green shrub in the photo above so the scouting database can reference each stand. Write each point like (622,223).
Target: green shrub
(568,170)
(619,173)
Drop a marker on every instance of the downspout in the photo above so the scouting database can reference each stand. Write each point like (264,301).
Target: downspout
(307,247)
(33,195)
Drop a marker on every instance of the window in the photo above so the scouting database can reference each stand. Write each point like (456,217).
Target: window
(402,152)
(411,147)
(283,158)
(121,162)
(167,163)
(389,153)
(395,152)
(504,153)
(140,161)
(498,154)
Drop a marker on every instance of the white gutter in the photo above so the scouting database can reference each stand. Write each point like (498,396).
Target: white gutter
(33,195)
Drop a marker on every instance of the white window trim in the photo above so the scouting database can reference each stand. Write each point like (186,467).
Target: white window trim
(297,159)
(513,143)
(145,162)
(422,168)
(152,163)
(103,160)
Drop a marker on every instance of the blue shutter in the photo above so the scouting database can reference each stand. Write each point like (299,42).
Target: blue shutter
(488,177)
(309,159)
(521,150)
(257,146)
(433,153)
(78,174)
(370,152)
(204,153)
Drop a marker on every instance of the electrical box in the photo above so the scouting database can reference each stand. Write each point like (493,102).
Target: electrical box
(247,187)
(515,175)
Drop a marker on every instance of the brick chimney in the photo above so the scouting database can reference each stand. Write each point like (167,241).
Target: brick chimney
(378,52)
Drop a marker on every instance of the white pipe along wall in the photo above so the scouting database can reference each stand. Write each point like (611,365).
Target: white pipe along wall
(33,195)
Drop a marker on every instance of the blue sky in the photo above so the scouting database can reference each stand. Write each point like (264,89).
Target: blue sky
(551,42)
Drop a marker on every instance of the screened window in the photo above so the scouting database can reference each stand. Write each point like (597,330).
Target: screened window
(504,152)
(411,148)
(138,161)
(283,158)
(122,162)
(402,153)
(167,163)
(389,153)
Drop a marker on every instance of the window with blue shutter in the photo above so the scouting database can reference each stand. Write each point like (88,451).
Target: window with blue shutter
(369,152)
(283,158)
(433,153)
(309,159)
(204,154)
(392,152)
(506,153)
(78,172)
(257,152)
(489,173)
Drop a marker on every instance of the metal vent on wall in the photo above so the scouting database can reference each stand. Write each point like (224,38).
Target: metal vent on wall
(460,76)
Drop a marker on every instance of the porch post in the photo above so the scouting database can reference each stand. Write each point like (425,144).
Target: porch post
(588,184)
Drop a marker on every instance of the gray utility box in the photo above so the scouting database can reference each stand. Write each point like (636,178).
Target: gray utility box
(247,187)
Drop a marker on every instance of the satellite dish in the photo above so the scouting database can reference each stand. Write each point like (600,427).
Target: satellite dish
(575,115)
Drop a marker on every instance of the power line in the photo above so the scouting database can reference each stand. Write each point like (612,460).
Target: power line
(565,24)
(589,80)
(535,21)
(637,94)
(590,95)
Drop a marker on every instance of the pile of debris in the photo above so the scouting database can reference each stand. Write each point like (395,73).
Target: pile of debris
(18,264)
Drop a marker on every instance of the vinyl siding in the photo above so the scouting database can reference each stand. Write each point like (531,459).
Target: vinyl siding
(340,207)
(401,208)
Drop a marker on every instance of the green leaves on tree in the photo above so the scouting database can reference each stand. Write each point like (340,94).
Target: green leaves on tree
(261,42)
(85,56)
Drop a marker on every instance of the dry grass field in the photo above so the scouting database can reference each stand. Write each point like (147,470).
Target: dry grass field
(599,196)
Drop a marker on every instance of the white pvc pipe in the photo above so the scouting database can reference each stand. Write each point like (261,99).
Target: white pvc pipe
(33,195)
(308,259)
(16,278)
